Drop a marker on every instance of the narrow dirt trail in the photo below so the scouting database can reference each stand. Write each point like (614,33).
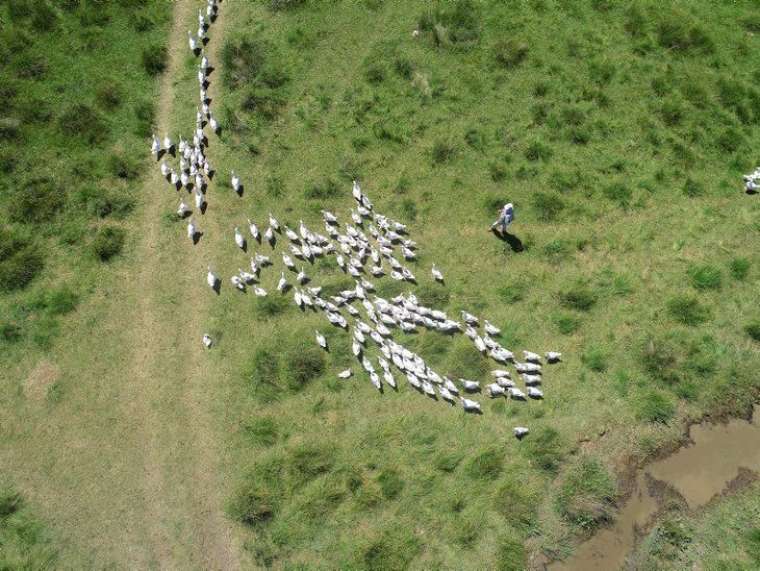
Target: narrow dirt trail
(164,389)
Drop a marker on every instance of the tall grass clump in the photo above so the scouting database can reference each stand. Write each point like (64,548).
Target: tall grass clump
(739,268)
(547,205)
(154,60)
(108,242)
(510,52)
(688,310)
(753,330)
(20,261)
(453,24)
(654,406)
(579,297)
(586,496)
(705,277)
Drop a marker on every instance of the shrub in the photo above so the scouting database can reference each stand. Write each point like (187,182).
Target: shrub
(567,324)
(693,188)
(509,53)
(154,60)
(262,373)
(687,310)
(38,201)
(447,461)
(304,362)
(654,406)
(517,500)
(262,431)
(394,548)
(122,166)
(739,268)
(242,61)
(586,495)
(442,152)
(753,330)
(512,293)
(620,193)
(538,151)
(252,504)
(457,25)
(108,96)
(510,555)
(83,122)
(20,261)
(579,297)
(544,448)
(409,209)
(705,277)
(144,114)
(269,306)
(486,465)
(375,73)
(282,5)
(391,483)
(595,359)
(324,189)
(497,172)
(61,301)
(548,205)
(677,33)
(108,242)
(309,460)
(672,112)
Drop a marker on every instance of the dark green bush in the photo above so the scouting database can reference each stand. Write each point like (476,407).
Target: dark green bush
(654,406)
(10,332)
(544,448)
(753,330)
(510,53)
(587,494)
(154,60)
(242,60)
(109,96)
(693,188)
(39,200)
(122,166)
(672,112)
(263,373)
(687,310)
(327,188)
(304,362)
(486,465)
(61,301)
(547,205)
(739,268)
(391,484)
(455,24)
(144,113)
(595,359)
(20,261)
(443,152)
(567,324)
(538,151)
(83,122)
(269,306)
(375,73)
(705,276)
(108,242)
(620,193)
(309,460)
(512,292)
(677,33)
(283,5)
(394,548)
(409,210)
(510,555)
(579,297)
(447,461)
(252,503)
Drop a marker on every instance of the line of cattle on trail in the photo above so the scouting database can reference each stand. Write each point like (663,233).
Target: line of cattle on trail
(367,246)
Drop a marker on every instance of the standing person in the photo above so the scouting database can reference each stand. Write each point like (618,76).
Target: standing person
(506,216)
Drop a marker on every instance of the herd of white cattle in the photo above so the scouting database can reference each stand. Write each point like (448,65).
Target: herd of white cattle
(371,245)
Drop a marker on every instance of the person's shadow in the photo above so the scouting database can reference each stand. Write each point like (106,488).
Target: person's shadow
(510,239)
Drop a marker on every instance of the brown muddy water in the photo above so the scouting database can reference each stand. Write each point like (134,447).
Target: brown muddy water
(698,472)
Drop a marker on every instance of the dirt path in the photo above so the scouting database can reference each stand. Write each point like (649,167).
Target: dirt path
(183,522)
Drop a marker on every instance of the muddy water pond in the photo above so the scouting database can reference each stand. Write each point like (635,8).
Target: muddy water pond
(698,472)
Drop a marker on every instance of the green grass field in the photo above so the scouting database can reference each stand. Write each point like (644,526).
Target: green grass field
(620,131)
